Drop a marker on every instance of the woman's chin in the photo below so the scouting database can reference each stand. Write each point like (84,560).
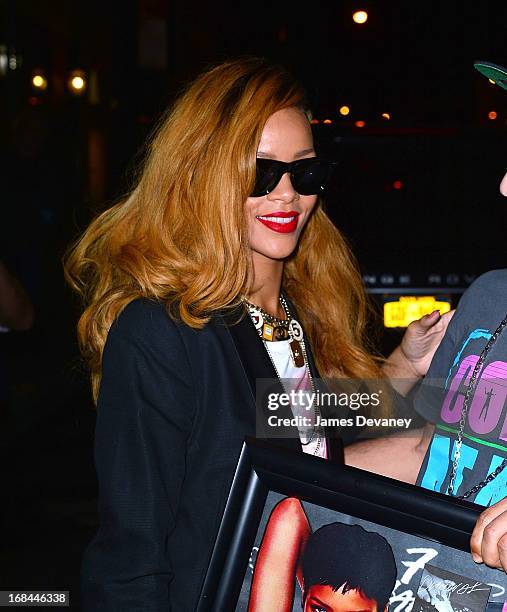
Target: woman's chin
(277,254)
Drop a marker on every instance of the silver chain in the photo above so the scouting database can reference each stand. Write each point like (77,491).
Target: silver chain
(463,418)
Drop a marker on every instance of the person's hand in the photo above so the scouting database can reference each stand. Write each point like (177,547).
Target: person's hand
(421,340)
(411,359)
(489,538)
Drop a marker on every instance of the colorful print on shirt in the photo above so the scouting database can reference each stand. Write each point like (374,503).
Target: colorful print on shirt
(484,444)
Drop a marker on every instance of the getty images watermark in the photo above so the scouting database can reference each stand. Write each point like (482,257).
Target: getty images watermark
(373,407)
(308,400)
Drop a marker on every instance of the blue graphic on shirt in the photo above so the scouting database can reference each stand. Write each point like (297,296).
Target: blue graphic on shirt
(439,463)
(474,335)
(495,490)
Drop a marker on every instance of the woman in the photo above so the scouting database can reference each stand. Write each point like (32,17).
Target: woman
(180,277)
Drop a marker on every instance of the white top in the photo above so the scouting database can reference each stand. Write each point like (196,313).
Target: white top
(296,379)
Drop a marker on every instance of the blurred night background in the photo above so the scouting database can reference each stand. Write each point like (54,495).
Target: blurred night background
(422,151)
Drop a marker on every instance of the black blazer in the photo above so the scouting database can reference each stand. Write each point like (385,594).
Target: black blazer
(174,407)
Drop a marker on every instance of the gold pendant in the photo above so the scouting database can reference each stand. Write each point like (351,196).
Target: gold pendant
(267,331)
(297,354)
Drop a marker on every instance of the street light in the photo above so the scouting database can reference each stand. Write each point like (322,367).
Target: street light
(39,81)
(360,17)
(77,82)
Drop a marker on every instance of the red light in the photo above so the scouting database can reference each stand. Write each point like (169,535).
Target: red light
(314,121)
(397,184)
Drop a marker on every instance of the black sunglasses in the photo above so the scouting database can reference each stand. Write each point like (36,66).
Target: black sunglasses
(308,176)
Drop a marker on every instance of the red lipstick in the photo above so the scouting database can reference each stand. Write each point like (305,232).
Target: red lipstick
(280,221)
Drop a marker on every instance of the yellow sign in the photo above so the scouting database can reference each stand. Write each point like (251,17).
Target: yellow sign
(411,308)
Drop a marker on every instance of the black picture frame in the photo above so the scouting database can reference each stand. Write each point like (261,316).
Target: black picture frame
(263,468)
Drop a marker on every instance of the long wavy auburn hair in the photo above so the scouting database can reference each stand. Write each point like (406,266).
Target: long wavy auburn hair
(180,236)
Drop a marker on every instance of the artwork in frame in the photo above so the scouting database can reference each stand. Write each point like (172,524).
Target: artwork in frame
(303,534)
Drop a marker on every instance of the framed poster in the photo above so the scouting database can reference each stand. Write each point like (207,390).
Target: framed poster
(302,533)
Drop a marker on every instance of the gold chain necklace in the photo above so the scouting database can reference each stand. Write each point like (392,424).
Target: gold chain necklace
(272,328)
(263,321)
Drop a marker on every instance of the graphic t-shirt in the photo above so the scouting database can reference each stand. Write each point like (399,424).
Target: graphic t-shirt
(440,398)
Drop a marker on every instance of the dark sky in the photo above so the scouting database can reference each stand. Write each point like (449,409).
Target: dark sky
(412,59)
(411,56)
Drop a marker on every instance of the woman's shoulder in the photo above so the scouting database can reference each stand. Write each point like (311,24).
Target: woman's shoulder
(141,309)
(142,315)
(145,321)
(144,318)
(145,330)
